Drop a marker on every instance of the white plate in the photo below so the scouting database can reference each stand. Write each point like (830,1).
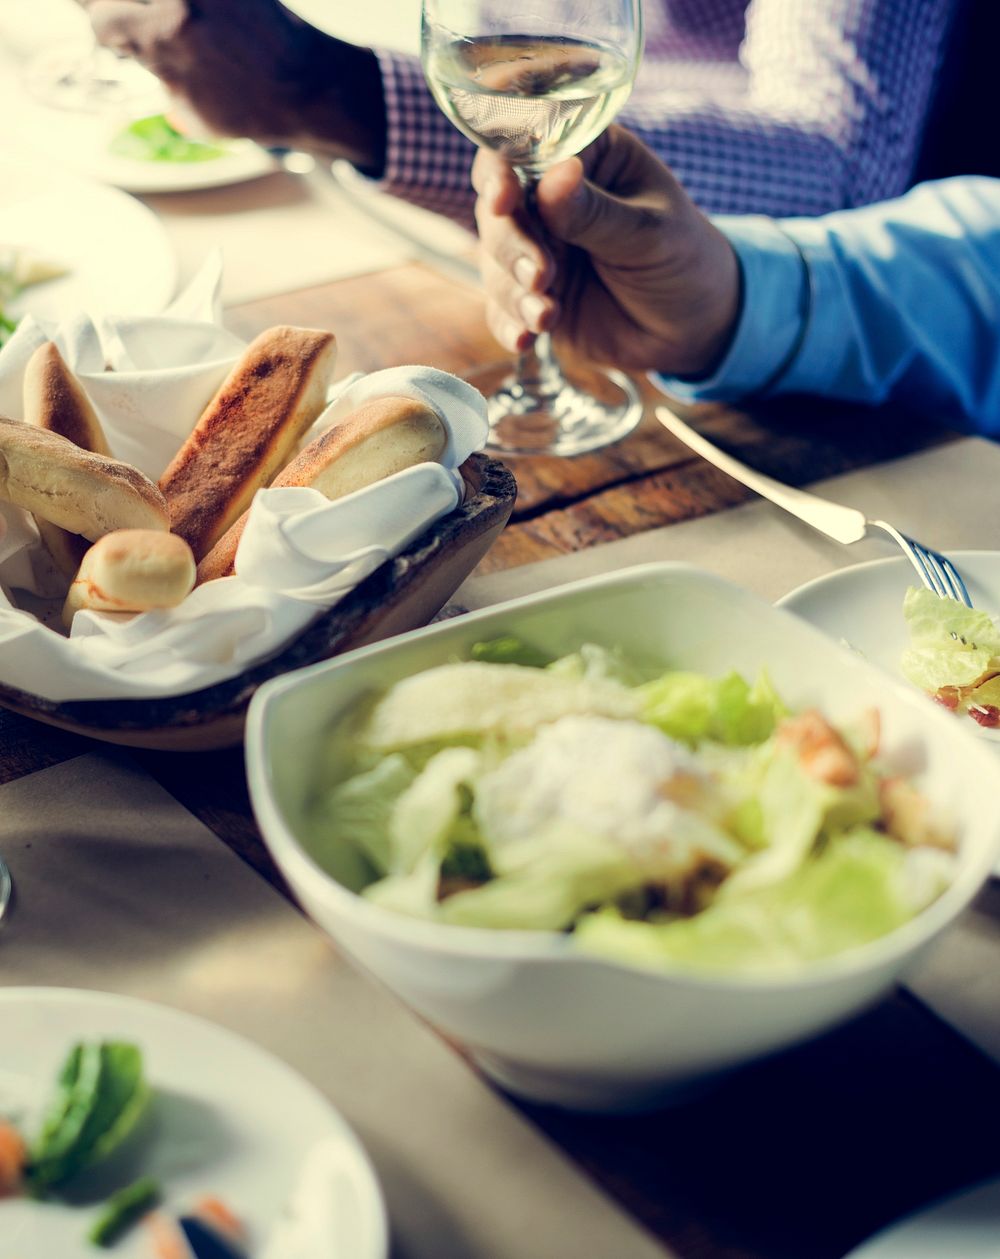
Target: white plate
(117,254)
(863,606)
(231,1121)
(242,161)
(965,1227)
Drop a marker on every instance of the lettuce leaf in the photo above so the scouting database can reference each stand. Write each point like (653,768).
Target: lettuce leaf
(852,892)
(425,816)
(474,700)
(950,644)
(693,707)
(355,816)
(571,872)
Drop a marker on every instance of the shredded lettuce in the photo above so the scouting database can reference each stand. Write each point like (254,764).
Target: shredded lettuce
(853,891)
(355,816)
(693,707)
(686,820)
(472,700)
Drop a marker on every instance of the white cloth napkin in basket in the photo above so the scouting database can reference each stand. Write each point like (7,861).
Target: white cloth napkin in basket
(149,379)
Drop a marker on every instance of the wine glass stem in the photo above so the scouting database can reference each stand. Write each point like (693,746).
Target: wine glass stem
(538,371)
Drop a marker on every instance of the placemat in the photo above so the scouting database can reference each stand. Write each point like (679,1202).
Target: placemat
(122,889)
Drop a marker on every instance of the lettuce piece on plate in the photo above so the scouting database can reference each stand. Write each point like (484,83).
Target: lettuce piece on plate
(950,644)
(155,139)
(857,889)
(693,707)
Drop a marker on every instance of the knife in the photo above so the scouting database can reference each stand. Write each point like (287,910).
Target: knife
(205,1242)
(843,524)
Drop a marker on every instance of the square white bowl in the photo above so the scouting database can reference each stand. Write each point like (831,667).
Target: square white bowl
(549,1021)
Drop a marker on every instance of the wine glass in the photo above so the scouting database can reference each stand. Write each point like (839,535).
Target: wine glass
(538,80)
(78,74)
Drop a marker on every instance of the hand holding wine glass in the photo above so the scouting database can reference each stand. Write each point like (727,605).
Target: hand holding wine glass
(652,282)
(538,82)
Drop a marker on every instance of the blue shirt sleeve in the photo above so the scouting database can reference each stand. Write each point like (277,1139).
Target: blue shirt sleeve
(892,302)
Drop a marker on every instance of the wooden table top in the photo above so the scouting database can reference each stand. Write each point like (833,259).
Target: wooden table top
(801,1156)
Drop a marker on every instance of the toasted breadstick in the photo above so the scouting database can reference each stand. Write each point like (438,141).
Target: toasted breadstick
(55,400)
(247,432)
(383,436)
(132,570)
(79,491)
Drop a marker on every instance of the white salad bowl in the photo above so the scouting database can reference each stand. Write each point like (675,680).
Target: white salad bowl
(543,1018)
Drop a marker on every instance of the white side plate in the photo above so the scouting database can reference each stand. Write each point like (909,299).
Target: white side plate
(229,1121)
(116,253)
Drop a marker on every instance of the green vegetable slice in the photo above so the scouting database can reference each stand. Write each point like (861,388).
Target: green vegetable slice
(123,1209)
(101,1095)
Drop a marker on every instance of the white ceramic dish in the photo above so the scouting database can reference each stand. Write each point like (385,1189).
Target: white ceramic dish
(116,253)
(242,161)
(230,1121)
(546,1020)
(963,1227)
(863,605)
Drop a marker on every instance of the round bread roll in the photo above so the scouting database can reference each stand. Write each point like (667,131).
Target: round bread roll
(382,437)
(132,570)
(79,491)
(248,431)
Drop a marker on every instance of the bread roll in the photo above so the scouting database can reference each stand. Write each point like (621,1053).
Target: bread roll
(247,432)
(55,400)
(132,570)
(79,491)
(382,437)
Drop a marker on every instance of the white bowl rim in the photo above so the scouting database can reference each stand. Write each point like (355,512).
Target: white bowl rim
(501,945)
(886,561)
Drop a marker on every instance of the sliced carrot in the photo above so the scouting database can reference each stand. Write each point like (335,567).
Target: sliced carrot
(214,1211)
(13,1158)
(167,1239)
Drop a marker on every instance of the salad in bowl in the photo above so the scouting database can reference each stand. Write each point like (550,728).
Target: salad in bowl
(625,834)
(665,818)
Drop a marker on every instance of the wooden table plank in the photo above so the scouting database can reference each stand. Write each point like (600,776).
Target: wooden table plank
(411,314)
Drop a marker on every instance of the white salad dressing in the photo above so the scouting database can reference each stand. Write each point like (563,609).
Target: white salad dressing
(610,779)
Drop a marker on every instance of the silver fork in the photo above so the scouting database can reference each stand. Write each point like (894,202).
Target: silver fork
(937,572)
(843,524)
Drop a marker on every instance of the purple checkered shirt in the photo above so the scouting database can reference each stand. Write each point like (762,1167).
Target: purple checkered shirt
(770,107)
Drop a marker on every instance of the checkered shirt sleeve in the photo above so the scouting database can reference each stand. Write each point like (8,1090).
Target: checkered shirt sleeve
(776,107)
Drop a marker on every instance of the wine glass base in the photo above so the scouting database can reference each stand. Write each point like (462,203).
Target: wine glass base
(588,409)
(6,889)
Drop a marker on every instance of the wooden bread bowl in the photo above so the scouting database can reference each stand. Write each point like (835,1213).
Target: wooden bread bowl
(402,594)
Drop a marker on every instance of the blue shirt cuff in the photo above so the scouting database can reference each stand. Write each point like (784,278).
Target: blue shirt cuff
(772,320)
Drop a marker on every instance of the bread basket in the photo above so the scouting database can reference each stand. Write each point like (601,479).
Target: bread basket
(402,594)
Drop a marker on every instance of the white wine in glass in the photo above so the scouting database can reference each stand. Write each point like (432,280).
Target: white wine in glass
(538,80)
